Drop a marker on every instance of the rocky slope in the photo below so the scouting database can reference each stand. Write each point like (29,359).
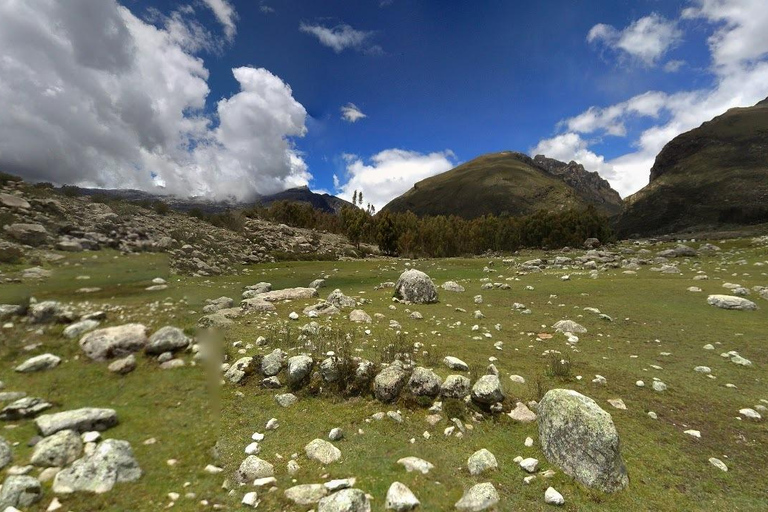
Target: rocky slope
(506,183)
(712,177)
(34,221)
(588,184)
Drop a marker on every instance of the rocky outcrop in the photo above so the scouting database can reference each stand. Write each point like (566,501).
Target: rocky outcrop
(594,189)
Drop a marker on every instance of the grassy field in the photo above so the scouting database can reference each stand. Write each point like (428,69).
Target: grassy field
(658,330)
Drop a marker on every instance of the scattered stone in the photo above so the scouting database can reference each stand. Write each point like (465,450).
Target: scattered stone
(400,498)
(322,451)
(522,413)
(167,339)
(478,497)
(487,390)
(452,286)
(416,464)
(299,368)
(481,461)
(718,464)
(359,316)
(58,450)
(27,407)
(424,382)
(346,500)
(39,363)
(389,382)
(529,464)
(123,365)
(79,328)
(569,326)
(20,491)
(552,497)
(455,363)
(286,399)
(252,468)
(307,494)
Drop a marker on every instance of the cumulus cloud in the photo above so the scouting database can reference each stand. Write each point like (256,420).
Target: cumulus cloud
(351,114)
(226,15)
(739,49)
(341,37)
(390,173)
(93,95)
(645,40)
(266,9)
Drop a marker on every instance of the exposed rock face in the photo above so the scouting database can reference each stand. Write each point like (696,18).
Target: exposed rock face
(589,185)
(580,438)
(111,342)
(111,462)
(415,286)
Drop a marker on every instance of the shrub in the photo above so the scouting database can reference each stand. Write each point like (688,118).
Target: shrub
(559,365)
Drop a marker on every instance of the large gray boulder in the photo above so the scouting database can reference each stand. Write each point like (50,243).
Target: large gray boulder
(415,286)
(424,382)
(580,437)
(111,462)
(478,497)
(298,369)
(340,301)
(30,234)
(26,407)
(20,491)
(272,363)
(456,386)
(11,201)
(167,339)
(252,468)
(346,500)
(38,363)
(112,342)
(79,420)
(389,382)
(487,390)
(239,370)
(58,450)
(731,302)
(322,451)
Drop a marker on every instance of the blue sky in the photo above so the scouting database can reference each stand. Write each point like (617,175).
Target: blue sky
(604,82)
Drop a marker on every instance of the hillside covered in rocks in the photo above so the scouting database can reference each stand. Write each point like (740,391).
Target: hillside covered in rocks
(34,221)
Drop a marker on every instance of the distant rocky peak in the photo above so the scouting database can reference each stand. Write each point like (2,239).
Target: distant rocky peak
(588,183)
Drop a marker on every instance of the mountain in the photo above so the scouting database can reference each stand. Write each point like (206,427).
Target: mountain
(590,186)
(712,177)
(323,202)
(507,183)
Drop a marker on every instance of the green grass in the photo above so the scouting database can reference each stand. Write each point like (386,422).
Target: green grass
(668,469)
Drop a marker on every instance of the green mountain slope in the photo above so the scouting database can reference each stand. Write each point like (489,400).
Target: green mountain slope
(497,183)
(712,177)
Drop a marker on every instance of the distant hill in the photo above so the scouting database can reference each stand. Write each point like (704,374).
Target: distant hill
(508,183)
(324,202)
(712,177)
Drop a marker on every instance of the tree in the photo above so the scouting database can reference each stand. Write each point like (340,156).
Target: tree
(386,233)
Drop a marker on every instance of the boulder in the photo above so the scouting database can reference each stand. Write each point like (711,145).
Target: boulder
(27,407)
(124,365)
(454,363)
(288,294)
(569,326)
(272,363)
(456,386)
(77,329)
(307,494)
(299,368)
(238,371)
(29,234)
(39,363)
(415,286)
(487,390)
(111,342)
(340,301)
(400,498)
(59,450)
(252,468)
(424,382)
(731,302)
(345,500)
(6,454)
(322,451)
(580,438)
(452,286)
(389,382)
(478,497)
(481,461)
(20,491)
(111,462)
(359,316)
(167,339)
(79,420)
(11,201)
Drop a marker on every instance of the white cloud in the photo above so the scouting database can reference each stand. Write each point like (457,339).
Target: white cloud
(351,114)
(390,173)
(673,66)
(226,15)
(341,37)
(266,9)
(93,95)
(741,35)
(645,40)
